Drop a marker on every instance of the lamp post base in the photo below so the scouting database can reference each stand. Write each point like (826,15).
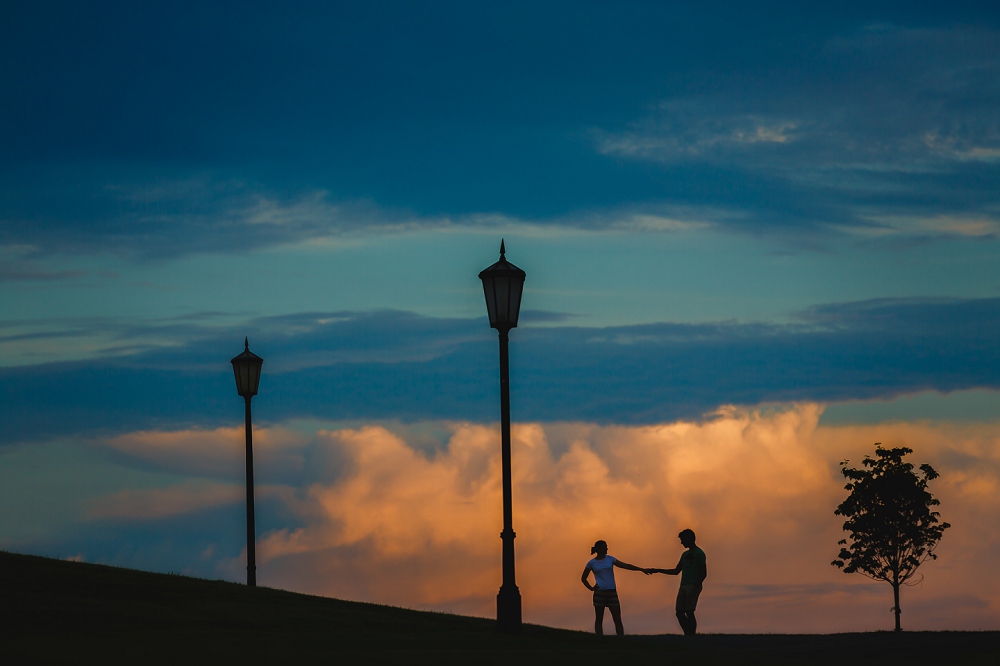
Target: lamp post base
(509,610)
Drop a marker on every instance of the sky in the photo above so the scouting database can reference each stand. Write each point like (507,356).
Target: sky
(758,238)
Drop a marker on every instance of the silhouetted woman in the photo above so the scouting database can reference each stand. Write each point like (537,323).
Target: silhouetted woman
(604,588)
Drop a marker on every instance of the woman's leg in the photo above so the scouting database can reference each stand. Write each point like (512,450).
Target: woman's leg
(616,615)
(599,620)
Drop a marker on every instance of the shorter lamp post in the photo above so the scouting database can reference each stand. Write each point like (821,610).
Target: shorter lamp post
(246,367)
(503,283)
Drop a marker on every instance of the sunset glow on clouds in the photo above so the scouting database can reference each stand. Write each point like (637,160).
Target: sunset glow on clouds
(375,518)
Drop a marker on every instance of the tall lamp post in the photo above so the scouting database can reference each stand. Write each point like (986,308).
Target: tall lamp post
(503,283)
(246,367)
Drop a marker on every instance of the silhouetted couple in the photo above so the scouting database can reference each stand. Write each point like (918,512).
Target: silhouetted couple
(691,567)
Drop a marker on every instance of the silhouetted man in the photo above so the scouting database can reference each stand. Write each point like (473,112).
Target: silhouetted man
(693,570)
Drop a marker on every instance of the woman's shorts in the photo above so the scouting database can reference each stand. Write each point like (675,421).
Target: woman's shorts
(687,598)
(604,598)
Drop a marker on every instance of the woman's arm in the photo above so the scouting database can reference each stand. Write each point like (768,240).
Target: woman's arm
(626,565)
(583,578)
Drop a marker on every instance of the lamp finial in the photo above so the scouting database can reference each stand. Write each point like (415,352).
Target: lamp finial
(501,248)
(246,344)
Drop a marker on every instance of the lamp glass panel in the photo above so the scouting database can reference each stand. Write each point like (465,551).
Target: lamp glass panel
(239,369)
(491,300)
(516,287)
(503,300)
(254,376)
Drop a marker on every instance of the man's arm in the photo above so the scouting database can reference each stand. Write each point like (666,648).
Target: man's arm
(670,572)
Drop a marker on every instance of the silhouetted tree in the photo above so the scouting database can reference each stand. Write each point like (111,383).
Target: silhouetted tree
(889,519)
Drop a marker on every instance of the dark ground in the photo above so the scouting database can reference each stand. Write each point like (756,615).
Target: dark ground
(67,613)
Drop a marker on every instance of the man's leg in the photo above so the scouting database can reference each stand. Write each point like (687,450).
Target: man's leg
(599,620)
(683,621)
(687,601)
(616,615)
(679,607)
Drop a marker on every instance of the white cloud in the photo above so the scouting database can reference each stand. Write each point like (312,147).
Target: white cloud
(155,503)
(974,226)
(956,147)
(680,131)
(218,453)
(658,223)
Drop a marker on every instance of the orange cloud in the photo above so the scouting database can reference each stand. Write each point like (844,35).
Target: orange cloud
(397,524)
(382,516)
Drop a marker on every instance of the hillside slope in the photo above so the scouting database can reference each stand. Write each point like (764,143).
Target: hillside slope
(66,612)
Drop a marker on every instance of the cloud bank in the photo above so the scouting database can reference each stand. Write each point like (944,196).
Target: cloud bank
(410,515)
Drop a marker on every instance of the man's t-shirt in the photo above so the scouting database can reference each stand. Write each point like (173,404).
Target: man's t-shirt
(692,566)
(604,572)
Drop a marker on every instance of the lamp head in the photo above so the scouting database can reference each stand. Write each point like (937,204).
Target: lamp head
(503,284)
(246,368)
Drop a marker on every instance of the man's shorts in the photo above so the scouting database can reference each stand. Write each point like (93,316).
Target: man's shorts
(687,598)
(604,598)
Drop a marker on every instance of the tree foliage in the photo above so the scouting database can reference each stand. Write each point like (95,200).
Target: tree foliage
(890,524)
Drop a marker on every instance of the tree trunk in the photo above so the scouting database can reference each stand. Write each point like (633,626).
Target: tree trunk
(895,594)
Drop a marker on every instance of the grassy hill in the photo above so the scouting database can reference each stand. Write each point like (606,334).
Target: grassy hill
(66,612)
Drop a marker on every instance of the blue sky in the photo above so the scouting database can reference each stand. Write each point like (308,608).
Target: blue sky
(735,204)
(176,175)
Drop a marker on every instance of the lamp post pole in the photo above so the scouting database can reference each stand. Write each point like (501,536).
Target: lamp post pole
(509,597)
(246,369)
(503,283)
(251,529)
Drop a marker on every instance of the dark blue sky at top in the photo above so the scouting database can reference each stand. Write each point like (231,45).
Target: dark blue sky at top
(153,131)
(429,109)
